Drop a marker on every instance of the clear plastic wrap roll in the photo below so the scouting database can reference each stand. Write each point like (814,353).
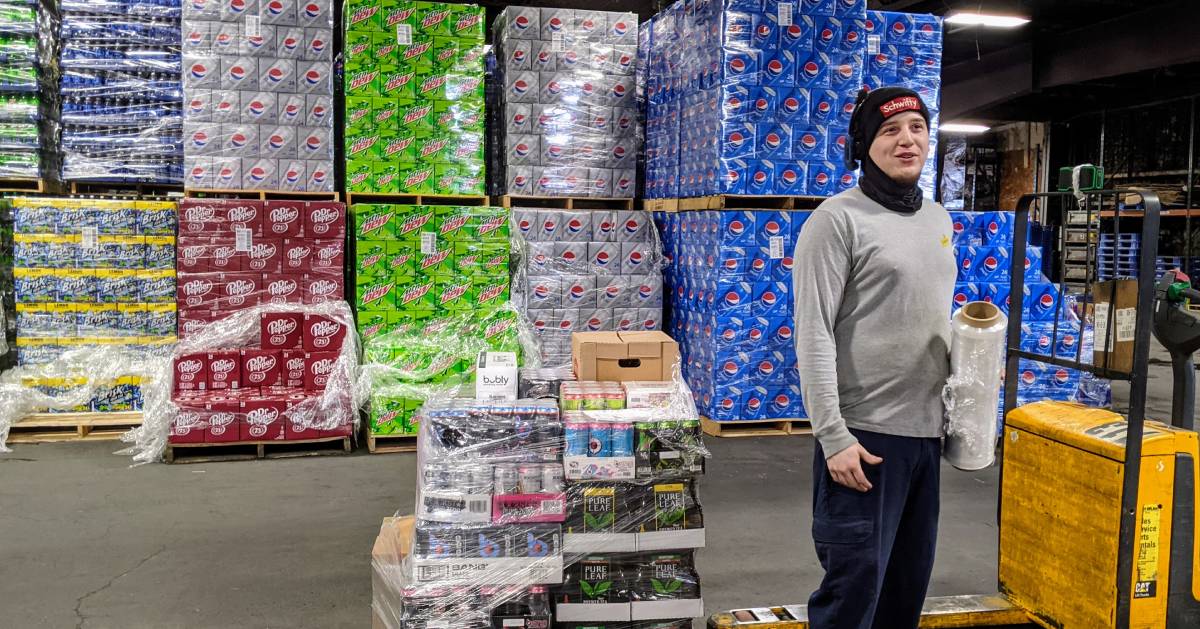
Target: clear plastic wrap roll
(973,389)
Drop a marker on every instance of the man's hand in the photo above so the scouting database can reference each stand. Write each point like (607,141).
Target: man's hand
(846,469)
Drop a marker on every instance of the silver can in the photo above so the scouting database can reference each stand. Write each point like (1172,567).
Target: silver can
(507,479)
(530,479)
(552,479)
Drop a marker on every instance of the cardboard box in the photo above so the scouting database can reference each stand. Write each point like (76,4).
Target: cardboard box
(281,330)
(224,420)
(295,364)
(191,372)
(1115,322)
(322,334)
(282,289)
(387,575)
(261,368)
(623,356)
(284,219)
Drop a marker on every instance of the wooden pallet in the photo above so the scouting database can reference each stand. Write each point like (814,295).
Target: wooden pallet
(384,444)
(567,203)
(262,195)
(660,205)
(252,450)
(755,427)
(416,199)
(57,427)
(125,189)
(743,202)
(30,186)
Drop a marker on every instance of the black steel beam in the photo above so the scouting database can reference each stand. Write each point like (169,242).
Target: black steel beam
(1145,40)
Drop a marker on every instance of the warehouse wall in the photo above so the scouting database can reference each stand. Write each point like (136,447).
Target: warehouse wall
(1020,146)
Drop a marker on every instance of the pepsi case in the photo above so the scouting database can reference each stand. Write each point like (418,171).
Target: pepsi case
(227,172)
(260,174)
(992,264)
(738,140)
(201,71)
(227,107)
(320,175)
(964,257)
(995,228)
(520,22)
(522,87)
(775,142)
(293,175)
(260,44)
(835,150)
(312,77)
(818,7)
(740,66)
(791,177)
(199,172)
(258,107)
(793,106)
(825,104)
(277,75)
(798,36)
(278,142)
(813,71)
(828,34)
(780,69)
(810,143)
(821,180)
(291,109)
(760,177)
(853,35)
(965,293)
(235,10)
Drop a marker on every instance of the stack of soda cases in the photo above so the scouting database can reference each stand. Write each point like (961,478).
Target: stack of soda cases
(8,307)
(1118,256)
(431,286)
(489,513)
(122,117)
(730,286)
(983,244)
(414,97)
(569,102)
(906,49)
(257,82)
(755,96)
(93,273)
(23,105)
(631,539)
(236,254)
(590,271)
(271,390)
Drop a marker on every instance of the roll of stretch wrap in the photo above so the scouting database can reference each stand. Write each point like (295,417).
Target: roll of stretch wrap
(973,391)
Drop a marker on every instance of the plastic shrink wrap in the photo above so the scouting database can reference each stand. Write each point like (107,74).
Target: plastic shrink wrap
(570,123)
(414,88)
(271,372)
(502,531)
(28,100)
(586,271)
(122,99)
(973,390)
(258,83)
(89,275)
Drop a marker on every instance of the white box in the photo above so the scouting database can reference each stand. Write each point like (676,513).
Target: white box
(656,610)
(670,540)
(592,612)
(599,468)
(468,571)
(583,543)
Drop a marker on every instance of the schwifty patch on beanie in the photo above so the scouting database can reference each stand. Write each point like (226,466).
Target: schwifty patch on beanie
(899,104)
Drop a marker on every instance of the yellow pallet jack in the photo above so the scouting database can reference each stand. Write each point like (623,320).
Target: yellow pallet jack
(1097,511)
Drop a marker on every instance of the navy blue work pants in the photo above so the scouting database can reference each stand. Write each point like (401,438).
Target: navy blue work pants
(876,547)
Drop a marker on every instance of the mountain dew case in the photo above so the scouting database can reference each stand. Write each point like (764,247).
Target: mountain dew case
(374,221)
(455,293)
(465,179)
(415,292)
(359,175)
(385,176)
(411,220)
(439,262)
(489,291)
(374,293)
(421,63)
(393,414)
(372,323)
(371,259)
(403,258)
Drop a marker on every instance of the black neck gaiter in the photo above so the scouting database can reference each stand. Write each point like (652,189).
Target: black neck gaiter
(887,192)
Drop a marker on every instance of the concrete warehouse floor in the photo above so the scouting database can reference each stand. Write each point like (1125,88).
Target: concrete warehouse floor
(86,541)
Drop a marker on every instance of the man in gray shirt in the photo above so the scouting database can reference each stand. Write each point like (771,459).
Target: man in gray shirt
(874,275)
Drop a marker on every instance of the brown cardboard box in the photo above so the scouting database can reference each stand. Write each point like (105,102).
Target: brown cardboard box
(1115,316)
(391,546)
(623,356)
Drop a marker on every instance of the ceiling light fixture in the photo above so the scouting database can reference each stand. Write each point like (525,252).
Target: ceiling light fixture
(983,19)
(959,127)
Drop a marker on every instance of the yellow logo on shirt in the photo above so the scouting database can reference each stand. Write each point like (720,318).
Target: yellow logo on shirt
(945,241)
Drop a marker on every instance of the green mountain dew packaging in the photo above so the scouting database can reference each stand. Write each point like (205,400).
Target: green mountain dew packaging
(398,52)
(392,413)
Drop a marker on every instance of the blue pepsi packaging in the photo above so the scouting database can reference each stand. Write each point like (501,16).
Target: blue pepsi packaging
(835,150)
(770,298)
(792,106)
(780,69)
(791,176)
(821,178)
(825,104)
(809,143)
(775,142)
(850,9)
(818,7)
(813,71)
(827,36)
(798,36)
(965,293)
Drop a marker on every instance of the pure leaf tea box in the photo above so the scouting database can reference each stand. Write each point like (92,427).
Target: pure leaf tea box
(673,518)
(601,517)
(666,586)
(595,589)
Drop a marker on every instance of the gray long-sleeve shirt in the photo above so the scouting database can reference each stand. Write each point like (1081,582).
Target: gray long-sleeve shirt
(872,305)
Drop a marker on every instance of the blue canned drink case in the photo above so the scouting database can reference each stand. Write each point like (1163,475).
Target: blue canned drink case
(160,252)
(156,286)
(156,217)
(600,439)
(76,285)
(621,439)
(576,433)
(35,285)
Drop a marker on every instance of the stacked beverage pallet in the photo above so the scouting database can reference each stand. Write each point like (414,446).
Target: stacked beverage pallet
(1117,256)
(733,201)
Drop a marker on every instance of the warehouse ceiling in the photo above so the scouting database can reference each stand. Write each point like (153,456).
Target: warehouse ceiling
(1074,56)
